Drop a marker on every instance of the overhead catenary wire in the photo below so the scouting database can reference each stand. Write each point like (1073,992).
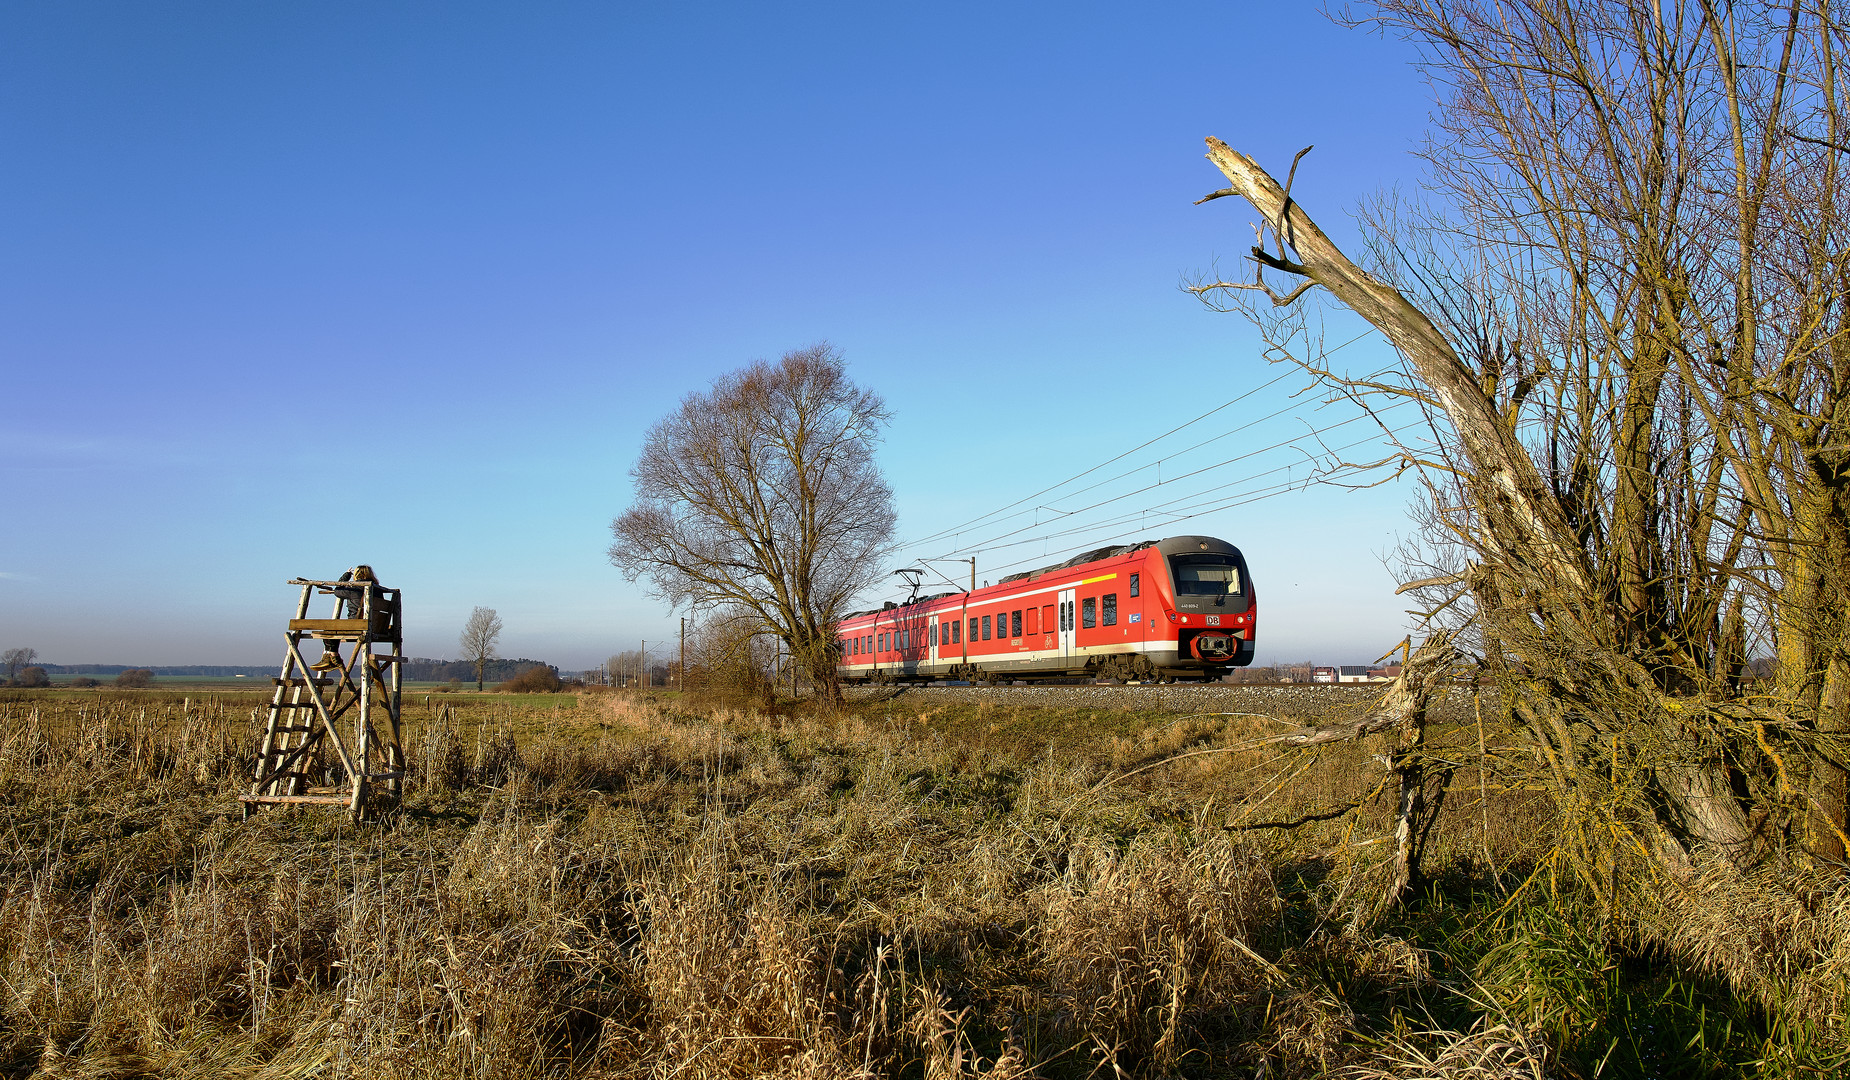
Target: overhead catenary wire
(1208,505)
(990,541)
(955,529)
(1173,454)
(981,518)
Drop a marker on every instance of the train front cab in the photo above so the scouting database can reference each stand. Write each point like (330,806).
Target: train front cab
(1215,611)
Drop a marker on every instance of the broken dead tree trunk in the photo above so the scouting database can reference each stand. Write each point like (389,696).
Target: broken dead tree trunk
(1427,671)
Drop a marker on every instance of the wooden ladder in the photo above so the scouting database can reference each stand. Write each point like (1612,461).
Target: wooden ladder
(303,742)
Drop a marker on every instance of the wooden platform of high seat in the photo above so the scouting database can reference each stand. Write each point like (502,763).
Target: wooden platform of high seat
(346,629)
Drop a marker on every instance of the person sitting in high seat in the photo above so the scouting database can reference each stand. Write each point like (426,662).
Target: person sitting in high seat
(352,606)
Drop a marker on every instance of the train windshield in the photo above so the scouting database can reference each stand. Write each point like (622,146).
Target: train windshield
(1206,575)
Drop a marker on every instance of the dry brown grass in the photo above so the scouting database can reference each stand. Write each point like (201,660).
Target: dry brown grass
(619,888)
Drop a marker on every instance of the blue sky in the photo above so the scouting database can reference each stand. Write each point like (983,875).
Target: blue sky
(289,287)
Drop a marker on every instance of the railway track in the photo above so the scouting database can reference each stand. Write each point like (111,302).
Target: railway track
(1271,699)
(1288,699)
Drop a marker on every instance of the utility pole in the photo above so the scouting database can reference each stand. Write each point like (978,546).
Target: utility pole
(680,679)
(642,661)
(971,560)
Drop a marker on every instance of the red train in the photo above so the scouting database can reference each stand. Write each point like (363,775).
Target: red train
(1159,609)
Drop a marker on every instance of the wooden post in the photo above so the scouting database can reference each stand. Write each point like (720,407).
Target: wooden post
(362,724)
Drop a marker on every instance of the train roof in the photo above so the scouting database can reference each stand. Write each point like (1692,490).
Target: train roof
(1168,545)
(890,606)
(1083,557)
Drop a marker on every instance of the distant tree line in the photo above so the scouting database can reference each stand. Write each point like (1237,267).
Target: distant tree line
(416,670)
(419,669)
(217,671)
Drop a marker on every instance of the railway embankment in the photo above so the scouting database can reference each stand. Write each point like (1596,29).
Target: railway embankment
(1282,700)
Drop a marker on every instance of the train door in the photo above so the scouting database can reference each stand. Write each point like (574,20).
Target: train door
(931,638)
(1067,651)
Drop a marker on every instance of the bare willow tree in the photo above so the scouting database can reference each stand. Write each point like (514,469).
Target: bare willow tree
(761,498)
(1625,321)
(16,660)
(480,637)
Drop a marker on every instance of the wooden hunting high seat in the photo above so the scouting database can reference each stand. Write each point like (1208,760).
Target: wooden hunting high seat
(303,756)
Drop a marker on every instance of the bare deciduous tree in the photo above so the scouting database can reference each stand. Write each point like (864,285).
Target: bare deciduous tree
(480,636)
(761,498)
(1627,324)
(16,659)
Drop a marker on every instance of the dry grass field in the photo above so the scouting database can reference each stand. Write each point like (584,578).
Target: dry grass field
(628,885)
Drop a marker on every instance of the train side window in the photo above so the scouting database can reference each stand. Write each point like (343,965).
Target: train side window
(985,628)
(1088,612)
(1015,623)
(1111,609)
(973,628)
(956,637)
(1135,583)
(1033,624)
